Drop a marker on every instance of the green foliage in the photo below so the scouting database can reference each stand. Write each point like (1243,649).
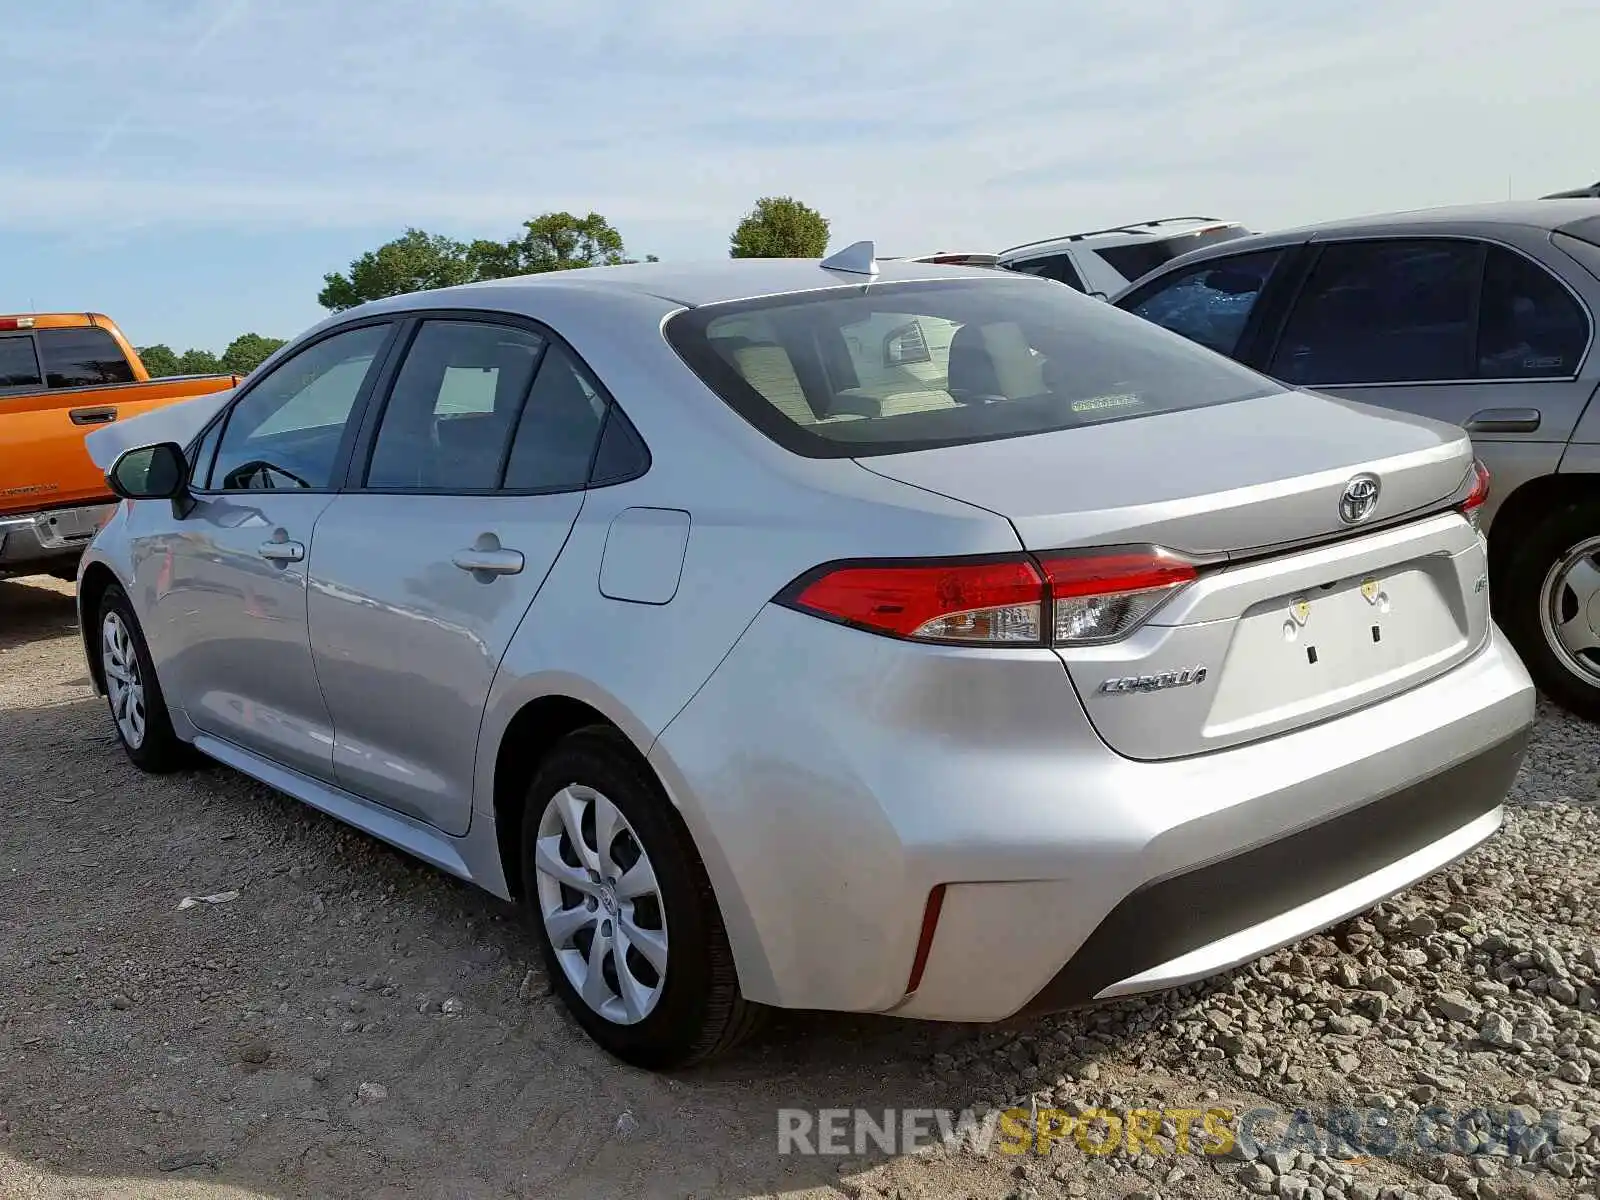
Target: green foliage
(556,241)
(780,227)
(413,262)
(247,352)
(199,362)
(159,360)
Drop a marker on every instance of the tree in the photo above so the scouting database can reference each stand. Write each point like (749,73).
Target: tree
(247,352)
(159,360)
(554,241)
(413,262)
(780,227)
(199,362)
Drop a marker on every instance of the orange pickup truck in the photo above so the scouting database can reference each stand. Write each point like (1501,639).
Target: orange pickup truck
(63,375)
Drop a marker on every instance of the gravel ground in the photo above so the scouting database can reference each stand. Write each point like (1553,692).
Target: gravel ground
(355,1024)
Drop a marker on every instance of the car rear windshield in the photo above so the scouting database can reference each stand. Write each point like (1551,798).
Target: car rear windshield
(1138,259)
(890,368)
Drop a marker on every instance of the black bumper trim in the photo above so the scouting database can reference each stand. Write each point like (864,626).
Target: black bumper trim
(1169,918)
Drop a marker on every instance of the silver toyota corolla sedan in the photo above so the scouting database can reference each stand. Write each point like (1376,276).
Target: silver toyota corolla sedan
(887,638)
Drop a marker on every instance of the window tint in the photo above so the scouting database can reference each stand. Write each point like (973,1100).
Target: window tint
(622,454)
(200,468)
(1056,266)
(82,358)
(1209,303)
(19,365)
(453,407)
(285,432)
(1005,357)
(1529,326)
(1383,312)
(1137,259)
(556,438)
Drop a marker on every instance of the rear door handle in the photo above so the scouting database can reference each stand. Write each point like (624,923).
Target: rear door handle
(93,416)
(490,562)
(282,551)
(1504,420)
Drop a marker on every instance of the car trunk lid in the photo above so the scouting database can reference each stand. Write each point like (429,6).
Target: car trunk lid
(1298,614)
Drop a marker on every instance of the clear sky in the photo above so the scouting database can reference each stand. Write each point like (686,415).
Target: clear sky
(193,167)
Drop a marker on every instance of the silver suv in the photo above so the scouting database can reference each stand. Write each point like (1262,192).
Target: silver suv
(1482,316)
(1102,262)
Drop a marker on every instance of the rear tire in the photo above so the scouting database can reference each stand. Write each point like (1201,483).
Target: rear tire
(1549,605)
(659,990)
(138,709)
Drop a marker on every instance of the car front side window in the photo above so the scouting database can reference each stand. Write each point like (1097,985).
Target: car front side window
(285,432)
(1210,303)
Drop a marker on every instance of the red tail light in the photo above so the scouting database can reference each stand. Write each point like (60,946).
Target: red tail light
(1066,599)
(1478,493)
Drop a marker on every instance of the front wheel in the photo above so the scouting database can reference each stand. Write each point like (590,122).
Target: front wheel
(630,930)
(1550,606)
(138,710)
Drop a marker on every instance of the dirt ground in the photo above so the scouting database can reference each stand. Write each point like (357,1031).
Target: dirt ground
(228,1049)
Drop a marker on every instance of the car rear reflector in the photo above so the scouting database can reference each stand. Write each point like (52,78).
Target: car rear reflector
(1016,600)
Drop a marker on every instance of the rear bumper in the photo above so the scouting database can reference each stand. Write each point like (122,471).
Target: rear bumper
(1215,917)
(40,538)
(833,779)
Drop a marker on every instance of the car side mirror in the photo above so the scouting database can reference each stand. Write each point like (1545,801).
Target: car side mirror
(156,472)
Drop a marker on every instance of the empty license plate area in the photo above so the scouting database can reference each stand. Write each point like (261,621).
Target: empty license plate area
(1334,646)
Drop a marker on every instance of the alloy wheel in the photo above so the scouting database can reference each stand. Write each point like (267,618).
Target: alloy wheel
(1569,610)
(124,684)
(601,905)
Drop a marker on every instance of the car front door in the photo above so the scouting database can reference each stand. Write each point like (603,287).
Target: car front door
(229,580)
(461,496)
(1481,334)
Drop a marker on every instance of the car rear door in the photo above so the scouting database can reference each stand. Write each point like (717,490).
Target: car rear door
(467,483)
(1479,333)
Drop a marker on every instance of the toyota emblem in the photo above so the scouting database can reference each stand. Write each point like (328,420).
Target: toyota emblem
(1360,499)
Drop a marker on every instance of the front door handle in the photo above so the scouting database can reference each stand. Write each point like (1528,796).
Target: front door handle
(490,562)
(282,551)
(92,416)
(1504,420)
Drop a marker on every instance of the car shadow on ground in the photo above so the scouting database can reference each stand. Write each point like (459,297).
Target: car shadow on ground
(353,1022)
(34,610)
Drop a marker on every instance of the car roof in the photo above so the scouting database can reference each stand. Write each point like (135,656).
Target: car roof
(1121,235)
(1454,219)
(1538,214)
(693,284)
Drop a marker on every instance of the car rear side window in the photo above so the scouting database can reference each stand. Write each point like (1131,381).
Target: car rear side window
(19,363)
(453,407)
(883,369)
(1395,311)
(87,357)
(1054,266)
(555,442)
(1529,324)
(1209,303)
(1135,260)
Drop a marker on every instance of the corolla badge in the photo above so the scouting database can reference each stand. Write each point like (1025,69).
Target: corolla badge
(1360,499)
(1158,682)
